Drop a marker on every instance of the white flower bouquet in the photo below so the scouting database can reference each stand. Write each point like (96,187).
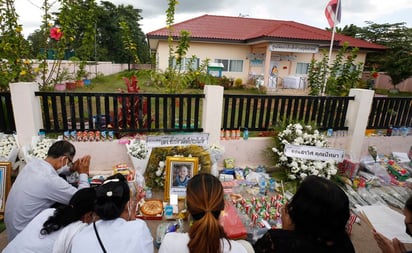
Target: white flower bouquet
(8,147)
(298,168)
(139,154)
(38,149)
(138,149)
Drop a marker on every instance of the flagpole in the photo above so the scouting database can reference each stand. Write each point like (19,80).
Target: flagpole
(331,46)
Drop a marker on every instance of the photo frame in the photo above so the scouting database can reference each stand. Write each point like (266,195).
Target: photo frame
(5,183)
(179,170)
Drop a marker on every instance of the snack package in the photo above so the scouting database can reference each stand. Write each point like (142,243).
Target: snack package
(73,136)
(97,136)
(91,136)
(79,136)
(110,135)
(103,135)
(66,135)
(229,163)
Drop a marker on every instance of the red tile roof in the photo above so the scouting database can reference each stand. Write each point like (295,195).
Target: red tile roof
(244,30)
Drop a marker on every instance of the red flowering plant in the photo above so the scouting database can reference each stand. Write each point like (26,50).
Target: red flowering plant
(135,114)
(56,33)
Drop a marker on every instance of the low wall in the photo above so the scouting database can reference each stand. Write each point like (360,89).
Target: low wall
(252,152)
(384,82)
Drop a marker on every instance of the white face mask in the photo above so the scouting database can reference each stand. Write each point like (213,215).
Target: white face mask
(62,169)
(65,168)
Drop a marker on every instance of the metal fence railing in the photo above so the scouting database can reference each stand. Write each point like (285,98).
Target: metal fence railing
(129,112)
(121,112)
(390,112)
(7,124)
(259,113)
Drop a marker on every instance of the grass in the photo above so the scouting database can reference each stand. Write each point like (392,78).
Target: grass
(114,83)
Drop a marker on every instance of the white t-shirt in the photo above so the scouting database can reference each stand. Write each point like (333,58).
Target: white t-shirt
(117,235)
(30,239)
(177,243)
(37,187)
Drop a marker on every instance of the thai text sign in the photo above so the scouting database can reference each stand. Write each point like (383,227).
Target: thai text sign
(177,140)
(314,153)
(290,47)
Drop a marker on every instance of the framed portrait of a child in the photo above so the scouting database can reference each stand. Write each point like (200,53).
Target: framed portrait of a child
(179,170)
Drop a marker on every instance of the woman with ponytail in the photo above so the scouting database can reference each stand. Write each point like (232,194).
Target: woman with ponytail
(42,232)
(204,200)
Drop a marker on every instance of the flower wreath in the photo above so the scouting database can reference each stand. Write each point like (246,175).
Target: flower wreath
(155,172)
(299,168)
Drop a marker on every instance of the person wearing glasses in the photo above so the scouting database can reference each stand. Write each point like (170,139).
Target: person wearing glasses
(38,186)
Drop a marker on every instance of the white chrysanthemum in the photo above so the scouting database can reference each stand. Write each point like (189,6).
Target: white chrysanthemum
(298,141)
(161,164)
(159,172)
(138,149)
(283,158)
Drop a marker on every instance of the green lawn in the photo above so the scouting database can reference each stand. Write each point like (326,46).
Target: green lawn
(113,83)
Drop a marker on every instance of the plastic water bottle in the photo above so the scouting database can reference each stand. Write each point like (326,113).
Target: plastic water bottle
(262,185)
(272,185)
(245,134)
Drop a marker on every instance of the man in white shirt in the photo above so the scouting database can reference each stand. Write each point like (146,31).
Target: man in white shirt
(38,186)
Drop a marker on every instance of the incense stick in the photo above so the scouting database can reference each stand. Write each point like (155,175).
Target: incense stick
(283,188)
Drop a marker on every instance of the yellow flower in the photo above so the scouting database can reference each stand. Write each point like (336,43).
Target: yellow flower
(26,61)
(23,72)
(19,29)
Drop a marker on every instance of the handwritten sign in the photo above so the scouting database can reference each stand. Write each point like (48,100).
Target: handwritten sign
(314,153)
(200,139)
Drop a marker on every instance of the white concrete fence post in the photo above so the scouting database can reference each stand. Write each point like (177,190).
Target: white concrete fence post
(357,121)
(212,112)
(26,110)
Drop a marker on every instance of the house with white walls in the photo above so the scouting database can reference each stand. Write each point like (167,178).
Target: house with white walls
(273,50)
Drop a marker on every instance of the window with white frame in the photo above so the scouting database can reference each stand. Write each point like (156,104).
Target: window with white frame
(187,63)
(302,68)
(231,65)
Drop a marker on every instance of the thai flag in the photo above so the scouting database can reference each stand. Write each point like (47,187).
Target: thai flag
(332,12)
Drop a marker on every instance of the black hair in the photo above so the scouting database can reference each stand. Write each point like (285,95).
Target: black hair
(112,197)
(61,148)
(81,203)
(320,209)
(408,204)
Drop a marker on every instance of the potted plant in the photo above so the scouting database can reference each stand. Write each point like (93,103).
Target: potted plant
(81,73)
(59,83)
(70,83)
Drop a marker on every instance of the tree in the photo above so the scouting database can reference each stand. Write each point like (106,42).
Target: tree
(15,65)
(110,38)
(86,21)
(396,61)
(341,76)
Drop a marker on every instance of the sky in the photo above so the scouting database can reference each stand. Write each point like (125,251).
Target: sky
(302,11)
